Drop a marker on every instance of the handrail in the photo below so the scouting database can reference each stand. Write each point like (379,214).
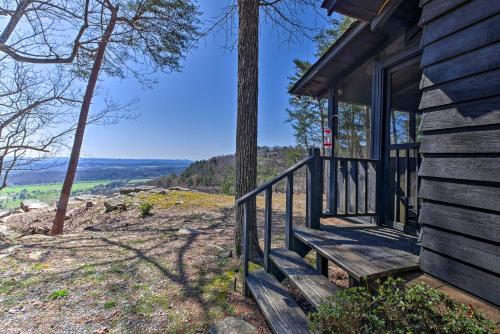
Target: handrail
(348,159)
(272,182)
(313,207)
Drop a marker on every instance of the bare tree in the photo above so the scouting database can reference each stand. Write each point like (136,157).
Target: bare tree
(150,32)
(33,108)
(114,37)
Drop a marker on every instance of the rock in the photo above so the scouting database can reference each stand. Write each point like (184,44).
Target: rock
(179,188)
(103,330)
(228,253)
(113,206)
(130,190)
(4,213)
(31,230)
(232,325)
(33,205)
(219,248)
(179,202)
(187,232)
(159,191)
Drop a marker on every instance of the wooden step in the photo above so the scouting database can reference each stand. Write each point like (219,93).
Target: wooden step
(364,253)
(280,310)
(313,286)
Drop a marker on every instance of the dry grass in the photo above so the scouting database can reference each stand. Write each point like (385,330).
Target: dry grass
(119,273)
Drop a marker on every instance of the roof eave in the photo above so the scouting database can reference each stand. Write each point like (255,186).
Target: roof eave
(353,31)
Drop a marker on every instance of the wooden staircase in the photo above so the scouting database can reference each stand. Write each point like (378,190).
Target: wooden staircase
(364,252)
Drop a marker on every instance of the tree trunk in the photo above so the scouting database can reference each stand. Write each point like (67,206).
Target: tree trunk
(246,131)
(62,204)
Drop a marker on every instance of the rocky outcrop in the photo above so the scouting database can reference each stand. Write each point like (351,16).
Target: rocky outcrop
(232,325)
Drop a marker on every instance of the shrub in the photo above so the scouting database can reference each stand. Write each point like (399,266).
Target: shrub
(109,304)
(59,294)
(396,308)
(145,209)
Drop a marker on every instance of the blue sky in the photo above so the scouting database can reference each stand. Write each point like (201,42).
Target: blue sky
(192,114)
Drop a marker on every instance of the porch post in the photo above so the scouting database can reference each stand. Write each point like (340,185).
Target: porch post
(378,140)
(314,190)
(332,166)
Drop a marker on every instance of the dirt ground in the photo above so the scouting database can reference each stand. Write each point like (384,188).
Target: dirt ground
(119,273)
(115,272)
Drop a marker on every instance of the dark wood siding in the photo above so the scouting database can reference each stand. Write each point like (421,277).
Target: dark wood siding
(461,144)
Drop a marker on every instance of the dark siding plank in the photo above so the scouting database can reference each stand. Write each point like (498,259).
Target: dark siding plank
(476,61)
(471,195)
(436,8)
(462,168)
(478,282)
(479,112)
(461,220)
(473,37)
(461,17)
(478,253)
(485,141)
(475,87)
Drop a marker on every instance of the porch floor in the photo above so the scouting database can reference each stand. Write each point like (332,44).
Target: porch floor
(364,252)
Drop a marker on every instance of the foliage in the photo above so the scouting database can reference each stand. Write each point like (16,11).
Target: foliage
(109,304)
(396,308)
(145,209)
(217,174)
(308,115)
(59,294)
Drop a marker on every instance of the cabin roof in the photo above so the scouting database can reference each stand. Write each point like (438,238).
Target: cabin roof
(354,46)
(365,10)
(361,41)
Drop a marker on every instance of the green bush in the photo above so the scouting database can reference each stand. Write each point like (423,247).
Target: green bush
(396,308)
(145,209)
(59,294)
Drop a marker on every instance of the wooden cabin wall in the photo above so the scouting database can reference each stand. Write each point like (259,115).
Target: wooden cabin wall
(461,144)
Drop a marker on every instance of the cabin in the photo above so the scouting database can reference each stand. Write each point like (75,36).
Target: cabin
(421,194)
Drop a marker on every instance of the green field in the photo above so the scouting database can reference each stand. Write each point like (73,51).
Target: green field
(11,197)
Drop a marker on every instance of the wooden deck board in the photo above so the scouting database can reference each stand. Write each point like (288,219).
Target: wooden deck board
(364,253)
(313,286)
(280,310)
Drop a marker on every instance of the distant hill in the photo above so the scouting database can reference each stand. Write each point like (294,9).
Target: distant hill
(217,174)
(91,169)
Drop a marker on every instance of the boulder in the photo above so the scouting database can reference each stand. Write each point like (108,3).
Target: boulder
(179,188)
(187,232)
(114,206)
(130,190)
(33,205)
(232,325)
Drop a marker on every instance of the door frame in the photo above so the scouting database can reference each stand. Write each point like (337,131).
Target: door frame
(380,129)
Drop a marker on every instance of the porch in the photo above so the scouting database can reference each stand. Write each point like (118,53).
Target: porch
(349,238)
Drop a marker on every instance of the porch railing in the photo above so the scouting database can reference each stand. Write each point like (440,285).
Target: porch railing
(349,181)
(313,205)
(351,187)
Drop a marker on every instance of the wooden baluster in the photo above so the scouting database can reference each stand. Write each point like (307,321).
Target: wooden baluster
(246,218)
(356,184)
(268,208)
(335,186)
(417,184)
(407,185)
(396,192)
(289,212)
(366,164)
(346,194)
